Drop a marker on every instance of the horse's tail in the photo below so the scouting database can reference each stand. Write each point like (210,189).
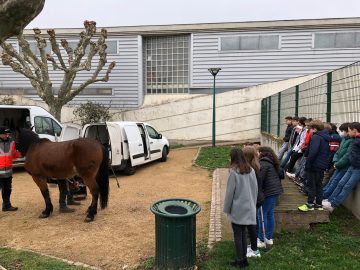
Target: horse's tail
(102,179)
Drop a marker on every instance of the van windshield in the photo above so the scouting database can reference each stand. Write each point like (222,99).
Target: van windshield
(46,125)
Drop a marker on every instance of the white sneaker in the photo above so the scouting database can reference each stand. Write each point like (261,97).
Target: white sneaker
(260,244)
(269,242)
(326,203)
(329,207)
(290,175)
(252,253)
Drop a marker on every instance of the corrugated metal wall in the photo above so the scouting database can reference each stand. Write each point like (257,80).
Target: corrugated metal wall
(296,57)
(125,79)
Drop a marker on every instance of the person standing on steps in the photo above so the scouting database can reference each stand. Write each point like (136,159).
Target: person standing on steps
(7,154)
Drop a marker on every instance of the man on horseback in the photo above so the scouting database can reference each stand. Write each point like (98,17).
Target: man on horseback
(7,154)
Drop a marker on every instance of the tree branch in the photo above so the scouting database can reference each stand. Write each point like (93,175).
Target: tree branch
(55,48)
(92,80)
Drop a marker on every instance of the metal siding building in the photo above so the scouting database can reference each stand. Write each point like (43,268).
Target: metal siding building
(174,59)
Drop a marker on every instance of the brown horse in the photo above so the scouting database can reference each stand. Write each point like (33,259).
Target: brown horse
(86,158)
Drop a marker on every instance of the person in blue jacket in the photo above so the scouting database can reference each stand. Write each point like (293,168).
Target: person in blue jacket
(317,162)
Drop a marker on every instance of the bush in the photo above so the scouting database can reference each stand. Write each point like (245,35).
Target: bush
(7,100)
(91,112)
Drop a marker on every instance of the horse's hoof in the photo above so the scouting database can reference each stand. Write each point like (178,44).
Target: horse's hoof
(89,219)
(44,215)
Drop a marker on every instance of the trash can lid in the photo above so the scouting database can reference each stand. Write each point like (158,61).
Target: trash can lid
(175,208)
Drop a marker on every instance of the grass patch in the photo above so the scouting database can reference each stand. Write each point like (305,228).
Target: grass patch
(214,157)
(22,260)
(335,245)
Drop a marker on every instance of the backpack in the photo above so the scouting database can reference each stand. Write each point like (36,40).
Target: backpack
(334,146)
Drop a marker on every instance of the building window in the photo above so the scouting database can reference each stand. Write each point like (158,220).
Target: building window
(337,40)
(111,46)
(34,48)
(167,64)
(242,43)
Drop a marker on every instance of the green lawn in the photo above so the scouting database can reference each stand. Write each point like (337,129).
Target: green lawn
(21,260)
(335,245)
(214,157)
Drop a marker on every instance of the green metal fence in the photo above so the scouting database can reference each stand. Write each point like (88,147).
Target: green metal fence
(332,97)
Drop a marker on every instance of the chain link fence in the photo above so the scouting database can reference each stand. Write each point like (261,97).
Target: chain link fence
(332,97)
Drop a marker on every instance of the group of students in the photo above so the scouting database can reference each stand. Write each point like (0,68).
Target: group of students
(253,187)
(328,161)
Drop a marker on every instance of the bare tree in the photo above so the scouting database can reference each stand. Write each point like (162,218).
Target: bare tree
(16,14)
(36,70)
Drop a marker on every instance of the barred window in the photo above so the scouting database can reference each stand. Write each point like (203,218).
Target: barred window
(337,40)
(167,64)
(256,42)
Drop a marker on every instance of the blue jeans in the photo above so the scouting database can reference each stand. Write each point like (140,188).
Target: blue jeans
(282,150)
(345,186)
(300,167)
(287,158)
(334,181)
(269,217)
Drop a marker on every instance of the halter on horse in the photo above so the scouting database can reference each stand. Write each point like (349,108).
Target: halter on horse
(84,157)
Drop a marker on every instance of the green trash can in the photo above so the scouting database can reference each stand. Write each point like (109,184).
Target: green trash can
(175,233)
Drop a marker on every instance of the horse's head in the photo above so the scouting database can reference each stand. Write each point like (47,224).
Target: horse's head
(26,137)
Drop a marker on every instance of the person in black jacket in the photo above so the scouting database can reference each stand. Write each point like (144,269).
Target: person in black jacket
(317,162)
(292,139)
(289,128)
(270,188)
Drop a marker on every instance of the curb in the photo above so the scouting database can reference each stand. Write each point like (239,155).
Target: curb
(56,258)
(215,212)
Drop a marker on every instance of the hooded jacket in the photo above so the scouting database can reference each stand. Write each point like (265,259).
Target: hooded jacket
(288,131)
(318,156)
(269,179)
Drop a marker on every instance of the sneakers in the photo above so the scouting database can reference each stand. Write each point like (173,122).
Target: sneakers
(318,207)
(269,242)
(260,244)
(328,207)
(326,203)
(306,207)
(251,253)
(290,175)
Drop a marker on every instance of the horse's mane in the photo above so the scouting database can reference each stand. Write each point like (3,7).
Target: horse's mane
(26,139)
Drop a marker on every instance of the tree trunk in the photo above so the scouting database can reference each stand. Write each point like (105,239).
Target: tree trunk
(55,110)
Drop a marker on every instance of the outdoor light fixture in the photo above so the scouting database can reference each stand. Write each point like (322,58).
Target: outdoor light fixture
(214,72)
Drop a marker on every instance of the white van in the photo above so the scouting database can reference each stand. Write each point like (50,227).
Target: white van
(130,144)
(43,123)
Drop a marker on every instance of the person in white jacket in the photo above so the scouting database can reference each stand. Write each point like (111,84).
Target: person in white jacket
(240,204)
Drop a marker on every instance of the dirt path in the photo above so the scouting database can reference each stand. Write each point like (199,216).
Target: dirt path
(123,234)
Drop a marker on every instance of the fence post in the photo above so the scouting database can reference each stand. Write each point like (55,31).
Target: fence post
(279,110)
(328,96)
(297,100)
(269,114)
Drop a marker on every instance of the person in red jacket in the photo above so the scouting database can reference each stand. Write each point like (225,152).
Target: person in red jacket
(7,154)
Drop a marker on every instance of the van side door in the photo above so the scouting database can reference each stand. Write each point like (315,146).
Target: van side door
(155,142)
(116,146)
(135,144)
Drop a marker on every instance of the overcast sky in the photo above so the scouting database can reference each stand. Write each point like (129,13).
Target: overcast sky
(72,13)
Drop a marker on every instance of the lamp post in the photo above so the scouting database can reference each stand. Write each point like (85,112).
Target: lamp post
(214,72)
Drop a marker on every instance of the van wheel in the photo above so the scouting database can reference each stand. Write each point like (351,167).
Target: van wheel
(129,170)
(164,154)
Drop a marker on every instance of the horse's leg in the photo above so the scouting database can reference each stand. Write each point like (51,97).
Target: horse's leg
(94,190)
(42,184)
